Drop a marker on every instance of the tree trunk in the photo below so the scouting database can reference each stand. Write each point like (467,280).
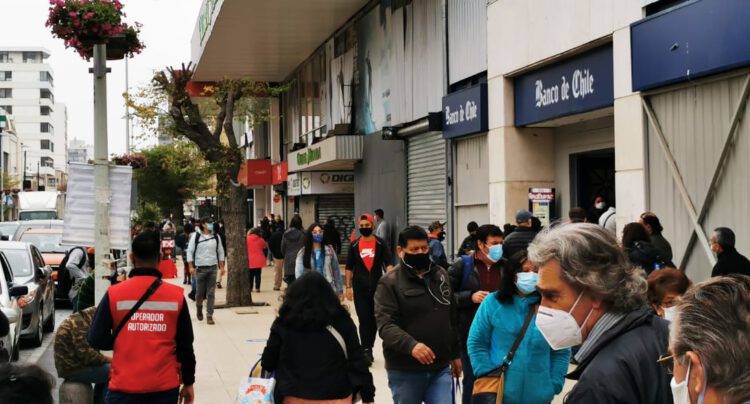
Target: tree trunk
(234,213)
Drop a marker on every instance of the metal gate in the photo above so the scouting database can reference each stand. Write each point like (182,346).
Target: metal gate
(426,172)
(340,208)
(698,140)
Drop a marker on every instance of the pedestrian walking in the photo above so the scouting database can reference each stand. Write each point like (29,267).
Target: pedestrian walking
(598,207)
(522,236)
(182,241)
(75,360)
(473,278)
(331,236)
(279,223)
(383,228)
(219,230)
(28,384)
(291,242)
(594,297)
(74,271)
(321,258)
(256,256)
(729,261)
(314,350)
(504,338)
(416,317)
(640,251)
(368,259)
(437,251)
(469,245)
(709,353)
(274,244)
(665,289)
(608,220)
(654,229)
(146,323)
(206,259)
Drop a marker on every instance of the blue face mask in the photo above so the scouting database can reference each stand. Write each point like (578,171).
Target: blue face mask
(526,282)
(210,227)
(496,253)
(318,238)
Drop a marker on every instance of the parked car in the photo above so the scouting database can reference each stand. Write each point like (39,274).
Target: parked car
(29,269)
(36,224)
(8,230)
(9,304)
(48,242)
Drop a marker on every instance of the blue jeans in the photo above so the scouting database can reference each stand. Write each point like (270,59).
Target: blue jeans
(161,397)
(468,380)
(430,387)
(99,375)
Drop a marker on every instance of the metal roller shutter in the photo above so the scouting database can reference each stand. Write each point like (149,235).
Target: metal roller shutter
(426,172)
(340,207)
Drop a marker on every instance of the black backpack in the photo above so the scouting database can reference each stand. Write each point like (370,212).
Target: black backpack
(64,283)
(214,236)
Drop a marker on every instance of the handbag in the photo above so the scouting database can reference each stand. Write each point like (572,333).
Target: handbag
(356,397)
(490,387)
(257,388)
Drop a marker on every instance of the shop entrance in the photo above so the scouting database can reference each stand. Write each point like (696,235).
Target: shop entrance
(591,174)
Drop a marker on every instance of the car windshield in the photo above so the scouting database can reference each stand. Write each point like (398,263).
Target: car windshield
(46,243)
(38,215)
(19,261)
(8,229)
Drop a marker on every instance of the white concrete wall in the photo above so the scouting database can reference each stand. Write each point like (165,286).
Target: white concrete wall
(524,34)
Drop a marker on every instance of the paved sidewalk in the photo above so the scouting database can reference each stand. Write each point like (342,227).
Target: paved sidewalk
(226,351)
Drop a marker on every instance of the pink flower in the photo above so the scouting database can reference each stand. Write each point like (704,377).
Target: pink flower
(95,30)
(73,14)
(106,27)
(76,23)
(53,2)
(89,15)
(60,3)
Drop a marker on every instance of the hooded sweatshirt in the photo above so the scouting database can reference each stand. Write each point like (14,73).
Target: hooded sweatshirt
(291,243)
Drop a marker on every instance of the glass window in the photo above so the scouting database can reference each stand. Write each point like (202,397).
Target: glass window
(4,57)
(32,57)
(47,162)
(6,92)
(8,108)
(20,262)
(45,110)
(45,127)
(6,76)
(46,243)
(45,144)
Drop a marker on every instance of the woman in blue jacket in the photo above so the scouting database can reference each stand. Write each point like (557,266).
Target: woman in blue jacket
(537,373)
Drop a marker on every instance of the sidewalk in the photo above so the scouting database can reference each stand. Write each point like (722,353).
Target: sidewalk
(226,351)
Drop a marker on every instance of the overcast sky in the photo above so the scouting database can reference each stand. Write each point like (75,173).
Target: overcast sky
(167,30)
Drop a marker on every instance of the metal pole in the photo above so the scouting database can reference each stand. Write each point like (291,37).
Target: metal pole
(102,193)
(2,180)
(127,110)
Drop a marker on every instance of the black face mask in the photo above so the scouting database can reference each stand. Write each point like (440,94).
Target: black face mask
(365,231)
(441,236)
(417,261)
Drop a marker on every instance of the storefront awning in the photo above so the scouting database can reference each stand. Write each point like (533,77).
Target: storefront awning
(333,153)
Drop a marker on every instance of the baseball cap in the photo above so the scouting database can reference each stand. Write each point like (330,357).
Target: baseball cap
(522,215)
(436,225)
(368,217)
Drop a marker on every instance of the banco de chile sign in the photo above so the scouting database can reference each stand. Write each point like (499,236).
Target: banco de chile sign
(579,84)
(465,111)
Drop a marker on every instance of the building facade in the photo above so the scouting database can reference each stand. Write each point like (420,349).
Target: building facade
(79,151)
(27,92)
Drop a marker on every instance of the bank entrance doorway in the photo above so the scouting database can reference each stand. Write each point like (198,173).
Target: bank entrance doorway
(592,173)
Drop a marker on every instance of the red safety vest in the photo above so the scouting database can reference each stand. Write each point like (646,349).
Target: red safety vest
(144,353)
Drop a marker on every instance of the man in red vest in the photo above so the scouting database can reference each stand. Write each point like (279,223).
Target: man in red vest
(146,323)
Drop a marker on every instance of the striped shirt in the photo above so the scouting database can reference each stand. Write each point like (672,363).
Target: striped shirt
(604,324)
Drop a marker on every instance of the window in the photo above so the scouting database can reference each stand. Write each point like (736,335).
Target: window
(45,110)
(8,109)
(52,182)
(4,57)
(45,144)
(32,57)
(45,76)
(6,76)
(45,93)
(52,146)
(47,161)
(45,127)
(6,93)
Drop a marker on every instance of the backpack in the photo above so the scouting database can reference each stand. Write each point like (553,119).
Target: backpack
(468,266)
(214,236)
(64,283)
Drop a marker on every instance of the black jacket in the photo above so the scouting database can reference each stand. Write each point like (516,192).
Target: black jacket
(466,309)
(332,237)
(665,249)
(622,367)
(646,256)
(312,365)
(731,262)
(519,240)
(410,310)
(362,278)
(469,244)
(274,244)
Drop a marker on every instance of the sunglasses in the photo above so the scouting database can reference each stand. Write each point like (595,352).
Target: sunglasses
(667,363)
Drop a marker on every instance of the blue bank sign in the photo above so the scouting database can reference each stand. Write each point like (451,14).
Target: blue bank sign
(580,84)
(465,112)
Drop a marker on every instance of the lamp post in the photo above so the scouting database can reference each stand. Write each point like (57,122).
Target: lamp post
(3,124)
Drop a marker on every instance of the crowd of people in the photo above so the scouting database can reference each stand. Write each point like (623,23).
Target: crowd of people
(518,311)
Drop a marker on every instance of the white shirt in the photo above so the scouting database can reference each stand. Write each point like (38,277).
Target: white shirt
(206,254)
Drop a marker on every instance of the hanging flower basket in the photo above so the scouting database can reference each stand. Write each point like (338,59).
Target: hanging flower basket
(81,24)
(134,160)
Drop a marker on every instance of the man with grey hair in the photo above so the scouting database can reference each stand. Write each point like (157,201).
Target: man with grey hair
(592,296)
(710,347)
(729,260)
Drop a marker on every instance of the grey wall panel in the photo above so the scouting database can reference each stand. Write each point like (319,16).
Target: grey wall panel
(472,174)
(426,179)
(467,38)
(340,208)
(695,121)
(427,71)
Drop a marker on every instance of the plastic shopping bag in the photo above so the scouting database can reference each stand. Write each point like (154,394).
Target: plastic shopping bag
(257,388)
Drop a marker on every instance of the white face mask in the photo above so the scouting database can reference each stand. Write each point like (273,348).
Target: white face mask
(680,390)
(670,313)
(601,205)
(560,328)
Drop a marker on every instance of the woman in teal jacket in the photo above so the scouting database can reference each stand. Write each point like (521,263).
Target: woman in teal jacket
(537,372)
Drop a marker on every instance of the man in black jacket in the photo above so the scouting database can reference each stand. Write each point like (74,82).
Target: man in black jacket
(274,244)
(417,321)
(473,278)
(469,245)
(368,258)
(521,237)
(730,261)
(593,296)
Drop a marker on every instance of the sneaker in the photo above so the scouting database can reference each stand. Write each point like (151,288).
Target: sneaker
(257,290)
(368,356)
(276,289)
(199,313)
(218,285)
(210,320)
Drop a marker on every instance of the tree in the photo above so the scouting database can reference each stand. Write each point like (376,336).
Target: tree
(174,174)
(165,105)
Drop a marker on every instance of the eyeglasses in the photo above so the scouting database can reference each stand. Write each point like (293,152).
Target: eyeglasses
(667,363)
